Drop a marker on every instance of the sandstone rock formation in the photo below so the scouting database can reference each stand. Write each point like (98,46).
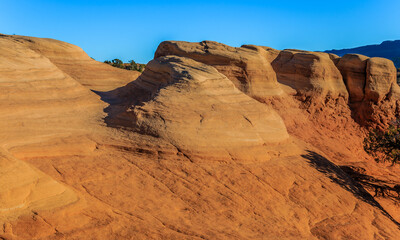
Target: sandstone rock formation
(310,73)
(374,93)
(381,75)
(386,49)
(39,102)
(335,58)
(247,69)
(197,108)
(185,146)
(368,79)
(76,63)
(353,68)
(269,53)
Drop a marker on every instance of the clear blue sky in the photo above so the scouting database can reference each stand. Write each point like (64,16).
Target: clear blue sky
(133,29)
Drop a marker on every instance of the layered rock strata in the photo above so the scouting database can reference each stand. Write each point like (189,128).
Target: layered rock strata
(76,63)
(198,109)
(25,189)
(148,174)
(309,73)
(247,69)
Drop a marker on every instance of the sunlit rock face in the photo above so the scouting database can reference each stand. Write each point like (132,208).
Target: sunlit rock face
(353,68)
(310,73)
(73,61)
(199,109)
(207,134)
(381,76)
(246,68)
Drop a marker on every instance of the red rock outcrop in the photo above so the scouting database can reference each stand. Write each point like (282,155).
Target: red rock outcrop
(353,68)
(368,79)
(247,69)
(311,74)
(185,148)
(198,109)
(156,112)
(374,93)
(311,112)
(381,75)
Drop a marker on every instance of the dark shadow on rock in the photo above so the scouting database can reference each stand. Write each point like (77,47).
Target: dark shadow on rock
(110,97)
(117,99)
(338,176)
(390,190)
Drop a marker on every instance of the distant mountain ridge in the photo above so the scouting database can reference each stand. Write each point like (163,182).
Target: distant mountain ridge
(387,49)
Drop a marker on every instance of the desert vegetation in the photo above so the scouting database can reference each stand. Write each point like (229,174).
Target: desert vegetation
(131,65)
(384,145)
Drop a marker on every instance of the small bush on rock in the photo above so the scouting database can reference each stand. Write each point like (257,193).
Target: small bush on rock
(384,145)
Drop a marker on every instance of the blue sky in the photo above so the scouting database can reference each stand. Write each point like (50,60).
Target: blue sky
(133,30)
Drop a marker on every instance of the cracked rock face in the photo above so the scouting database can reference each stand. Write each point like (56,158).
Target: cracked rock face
(198,109)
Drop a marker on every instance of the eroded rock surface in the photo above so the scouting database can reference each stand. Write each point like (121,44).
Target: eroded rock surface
(381,75)
(310,73)
(247,69)
(76,63)
(353,68)
(24,189)
(199,109)
(186,147)
(40,103)
(374,92)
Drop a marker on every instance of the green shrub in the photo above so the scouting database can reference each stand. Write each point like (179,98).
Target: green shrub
(384,145)
(131,66)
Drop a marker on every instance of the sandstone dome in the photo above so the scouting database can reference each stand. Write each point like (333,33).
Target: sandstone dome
(198,109)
